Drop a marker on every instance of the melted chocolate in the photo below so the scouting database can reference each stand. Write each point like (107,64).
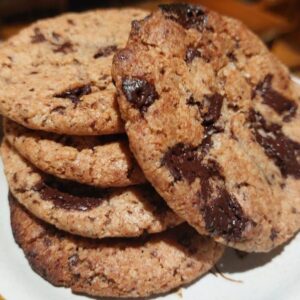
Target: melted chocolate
(38,36)
(185,162)
(210,108)
(213,113)
(222,214)
(190,54)
(187,15)
(75,94)
(64,48)
(275,100)
(282,150)
(106,51)
(140,93)
(70,195)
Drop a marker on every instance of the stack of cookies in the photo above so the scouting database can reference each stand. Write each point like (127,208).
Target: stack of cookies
(81,208)
(211,118)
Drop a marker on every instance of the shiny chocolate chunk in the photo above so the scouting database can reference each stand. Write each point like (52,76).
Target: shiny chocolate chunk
(187,15)
(140,93)
(70,195)
(75,94)
(281,149)
(278,102)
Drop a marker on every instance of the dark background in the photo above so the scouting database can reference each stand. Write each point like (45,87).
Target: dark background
(277,22)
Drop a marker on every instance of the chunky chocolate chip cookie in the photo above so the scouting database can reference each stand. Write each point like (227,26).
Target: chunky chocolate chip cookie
(56,74)
(115,267)
(213,120)
(86,210)
(103,161)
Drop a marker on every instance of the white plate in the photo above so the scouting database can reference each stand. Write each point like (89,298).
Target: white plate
(272,276)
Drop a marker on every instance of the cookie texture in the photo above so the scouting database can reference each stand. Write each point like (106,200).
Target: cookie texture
(102,161)
(213,120)
(85,210)
(56,74)
(115,267)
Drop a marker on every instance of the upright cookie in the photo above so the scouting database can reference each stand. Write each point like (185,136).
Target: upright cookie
(56,74)
(213,120)
(116,267)
(103,161)
(86,210)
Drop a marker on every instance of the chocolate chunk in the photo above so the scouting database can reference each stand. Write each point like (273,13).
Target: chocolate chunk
(190,54)
(139,92)
(106,51)
(76,93)
(210,108)
(70,195)
(282,150)
(223,215)
(215,102)
(187,15)
(184,162)
(38,36)
(64,48)
(275,100)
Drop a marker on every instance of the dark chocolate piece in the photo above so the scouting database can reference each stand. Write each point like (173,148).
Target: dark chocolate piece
(76,93)
(214,103)
(210,108)
(187,15)
(140,93)
(38,36)
(222,213)
(64,48)
(282,150)
(70,195)
(106,51)
(275,100)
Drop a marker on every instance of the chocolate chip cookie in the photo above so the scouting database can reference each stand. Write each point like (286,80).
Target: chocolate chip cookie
(213,120)
(114,267)
(56,74)
(103,161)
(86,210)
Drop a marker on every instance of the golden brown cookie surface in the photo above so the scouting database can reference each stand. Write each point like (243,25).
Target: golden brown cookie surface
(213,120)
